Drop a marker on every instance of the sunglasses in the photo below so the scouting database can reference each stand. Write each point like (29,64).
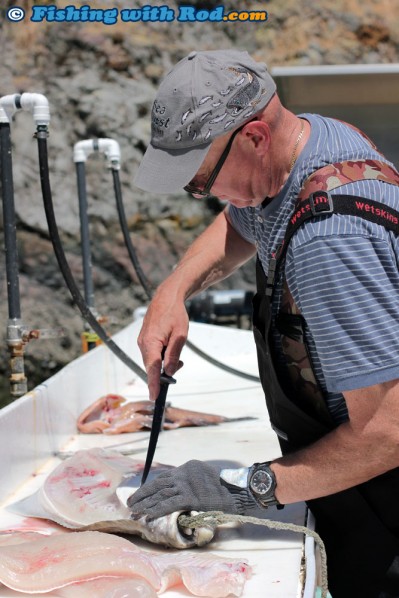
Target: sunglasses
(206,189)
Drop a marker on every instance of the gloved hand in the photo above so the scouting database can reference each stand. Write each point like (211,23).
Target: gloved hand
(194,486)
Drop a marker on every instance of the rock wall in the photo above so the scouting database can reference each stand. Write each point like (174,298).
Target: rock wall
(100,81)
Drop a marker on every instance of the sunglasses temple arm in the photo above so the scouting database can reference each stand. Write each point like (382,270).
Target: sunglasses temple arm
(220,162)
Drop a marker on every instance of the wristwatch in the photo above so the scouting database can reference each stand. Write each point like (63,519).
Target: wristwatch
(259,480)
(262,483)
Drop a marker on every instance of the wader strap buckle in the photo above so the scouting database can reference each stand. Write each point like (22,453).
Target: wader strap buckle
(321,202)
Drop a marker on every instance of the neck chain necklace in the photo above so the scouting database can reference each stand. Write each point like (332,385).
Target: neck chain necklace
(294,156)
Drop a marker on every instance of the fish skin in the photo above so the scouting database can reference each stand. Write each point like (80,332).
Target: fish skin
(82,489)
(111,414)
(82,493)
(187,418)
(56,561)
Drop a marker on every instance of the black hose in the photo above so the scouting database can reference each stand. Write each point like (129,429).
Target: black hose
(125,231)
(41,135)
(10,237)
(85,234)
(146,286)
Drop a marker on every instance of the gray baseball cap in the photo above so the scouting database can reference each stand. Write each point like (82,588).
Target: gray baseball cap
(206,95)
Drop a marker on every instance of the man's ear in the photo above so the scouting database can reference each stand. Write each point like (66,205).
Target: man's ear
(257,133)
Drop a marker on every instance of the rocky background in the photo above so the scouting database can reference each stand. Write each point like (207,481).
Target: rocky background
(100,81)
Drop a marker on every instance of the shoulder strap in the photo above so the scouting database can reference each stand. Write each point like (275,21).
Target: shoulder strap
(335,175)
(316,200)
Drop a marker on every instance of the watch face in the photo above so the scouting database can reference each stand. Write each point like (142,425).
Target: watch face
(261,482)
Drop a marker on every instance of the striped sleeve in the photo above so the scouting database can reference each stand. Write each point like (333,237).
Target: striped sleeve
(347,288)
(241,221)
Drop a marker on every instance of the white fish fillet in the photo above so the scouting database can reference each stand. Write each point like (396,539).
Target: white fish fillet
(82,493)
(108,587)
(104,587)
(59,560)
(32,526)
(13,538)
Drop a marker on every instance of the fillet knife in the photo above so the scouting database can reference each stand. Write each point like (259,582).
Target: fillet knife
(157,420)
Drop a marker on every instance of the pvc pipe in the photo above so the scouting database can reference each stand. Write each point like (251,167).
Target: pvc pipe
(109,147)
(81,151)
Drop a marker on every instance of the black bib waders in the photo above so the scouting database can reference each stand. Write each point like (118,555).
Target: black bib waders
(360,526)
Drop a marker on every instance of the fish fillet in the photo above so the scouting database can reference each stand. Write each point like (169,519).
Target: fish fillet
(11,538)
(111,414)
(59,560)
(105,587)
(108,587)
(82,493)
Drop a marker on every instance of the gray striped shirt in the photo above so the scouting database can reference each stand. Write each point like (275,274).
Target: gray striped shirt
(342,271)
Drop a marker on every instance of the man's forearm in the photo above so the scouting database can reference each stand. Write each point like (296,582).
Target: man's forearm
(327,466)
(360,449)
(213,256)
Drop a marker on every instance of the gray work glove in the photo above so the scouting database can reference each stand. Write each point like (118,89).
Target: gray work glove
(194,486)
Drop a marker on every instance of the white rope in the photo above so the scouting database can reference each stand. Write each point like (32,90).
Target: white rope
(215,518)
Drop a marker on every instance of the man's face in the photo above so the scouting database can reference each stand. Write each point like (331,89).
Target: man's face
(233,181)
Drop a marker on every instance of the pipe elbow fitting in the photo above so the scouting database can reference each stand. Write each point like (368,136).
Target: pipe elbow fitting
(83,149)
(38,105)
(112,152)
(9,104)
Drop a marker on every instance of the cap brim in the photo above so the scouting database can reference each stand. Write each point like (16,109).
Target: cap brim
(168,171)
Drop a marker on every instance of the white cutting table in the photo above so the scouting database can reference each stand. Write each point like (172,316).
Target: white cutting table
(42,424)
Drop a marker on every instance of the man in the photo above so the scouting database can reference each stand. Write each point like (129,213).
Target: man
(218,127)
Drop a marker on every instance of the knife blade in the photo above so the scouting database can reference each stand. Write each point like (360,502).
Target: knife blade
(157,419)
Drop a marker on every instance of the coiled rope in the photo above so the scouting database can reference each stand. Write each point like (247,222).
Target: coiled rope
(214,518)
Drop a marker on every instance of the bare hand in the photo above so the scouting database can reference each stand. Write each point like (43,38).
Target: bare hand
(165,325)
